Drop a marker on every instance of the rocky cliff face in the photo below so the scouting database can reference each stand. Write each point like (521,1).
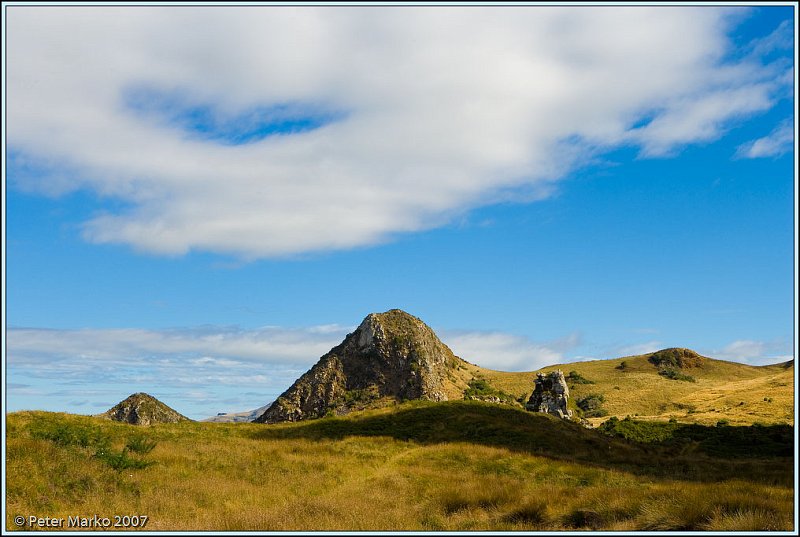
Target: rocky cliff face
(391,356)
(550,395)
(143,409)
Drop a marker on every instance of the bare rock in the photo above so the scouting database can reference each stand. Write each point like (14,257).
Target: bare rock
(392,356)
(143,409)
(550,395)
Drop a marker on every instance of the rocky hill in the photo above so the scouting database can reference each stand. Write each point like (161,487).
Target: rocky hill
(391,356)
(143,409)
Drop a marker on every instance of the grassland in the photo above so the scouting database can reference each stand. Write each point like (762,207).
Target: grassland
(739,393)
(463,465)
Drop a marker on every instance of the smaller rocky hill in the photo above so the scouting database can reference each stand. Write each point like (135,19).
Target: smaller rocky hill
(143,409)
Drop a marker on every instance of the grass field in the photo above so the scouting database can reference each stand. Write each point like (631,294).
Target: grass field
(416,466)
(739,393)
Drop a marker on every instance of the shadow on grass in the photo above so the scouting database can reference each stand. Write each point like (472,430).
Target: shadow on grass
(547,436)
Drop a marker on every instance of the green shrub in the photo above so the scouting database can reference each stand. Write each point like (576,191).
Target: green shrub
(85,437)
(479,388)
(575,378)
(674,374)
(140,444)
(121,460)
(69,434)
(593,401)
(722,440)
(362,396)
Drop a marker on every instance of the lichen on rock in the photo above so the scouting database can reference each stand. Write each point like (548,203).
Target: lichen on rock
(143,409)
(391,356)
(550,395)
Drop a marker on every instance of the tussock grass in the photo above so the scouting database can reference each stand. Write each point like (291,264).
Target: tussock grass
(720,390)
(436,467)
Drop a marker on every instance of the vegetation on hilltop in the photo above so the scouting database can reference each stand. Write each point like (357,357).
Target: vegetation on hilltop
(676,358)
(740,393)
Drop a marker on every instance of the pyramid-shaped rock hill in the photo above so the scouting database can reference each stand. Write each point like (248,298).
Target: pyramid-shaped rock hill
(390,357)
(143,409)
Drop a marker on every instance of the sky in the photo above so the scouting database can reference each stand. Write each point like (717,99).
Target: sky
(203,200)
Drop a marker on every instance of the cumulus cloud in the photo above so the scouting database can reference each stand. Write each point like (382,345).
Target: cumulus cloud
(779,142)
(508,352)
(755,352)
(262,132)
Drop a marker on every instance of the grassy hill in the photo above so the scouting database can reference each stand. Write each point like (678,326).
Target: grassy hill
(739,393)
(459,465)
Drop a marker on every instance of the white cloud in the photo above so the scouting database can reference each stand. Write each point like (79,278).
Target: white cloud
(700,118)
(743,349)
(196,348)
(52,367)
(775,144)
(442,110)
(782,38)
(754,352)
(507,352)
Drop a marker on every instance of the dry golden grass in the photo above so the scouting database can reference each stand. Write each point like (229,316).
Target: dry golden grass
(306,476)
(740,393)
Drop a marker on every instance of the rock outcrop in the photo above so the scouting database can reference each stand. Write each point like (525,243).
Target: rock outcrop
(550,395)
(392,356)
(143,409)
(676,358)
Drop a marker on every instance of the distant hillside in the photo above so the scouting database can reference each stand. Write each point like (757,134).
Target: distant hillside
(391,357)
(237,417)
(671,383)
(143,409)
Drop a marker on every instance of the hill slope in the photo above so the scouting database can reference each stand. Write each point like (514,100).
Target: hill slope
(143,409)
(391,356)
(418,466)
(394,356)
(636,386)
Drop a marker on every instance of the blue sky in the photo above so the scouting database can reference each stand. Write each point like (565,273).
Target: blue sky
(201,202)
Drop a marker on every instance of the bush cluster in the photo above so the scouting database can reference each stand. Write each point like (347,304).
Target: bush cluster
(93,439)
(674,374)
(721,440)
(575,378)
(591,405)
(479,388)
